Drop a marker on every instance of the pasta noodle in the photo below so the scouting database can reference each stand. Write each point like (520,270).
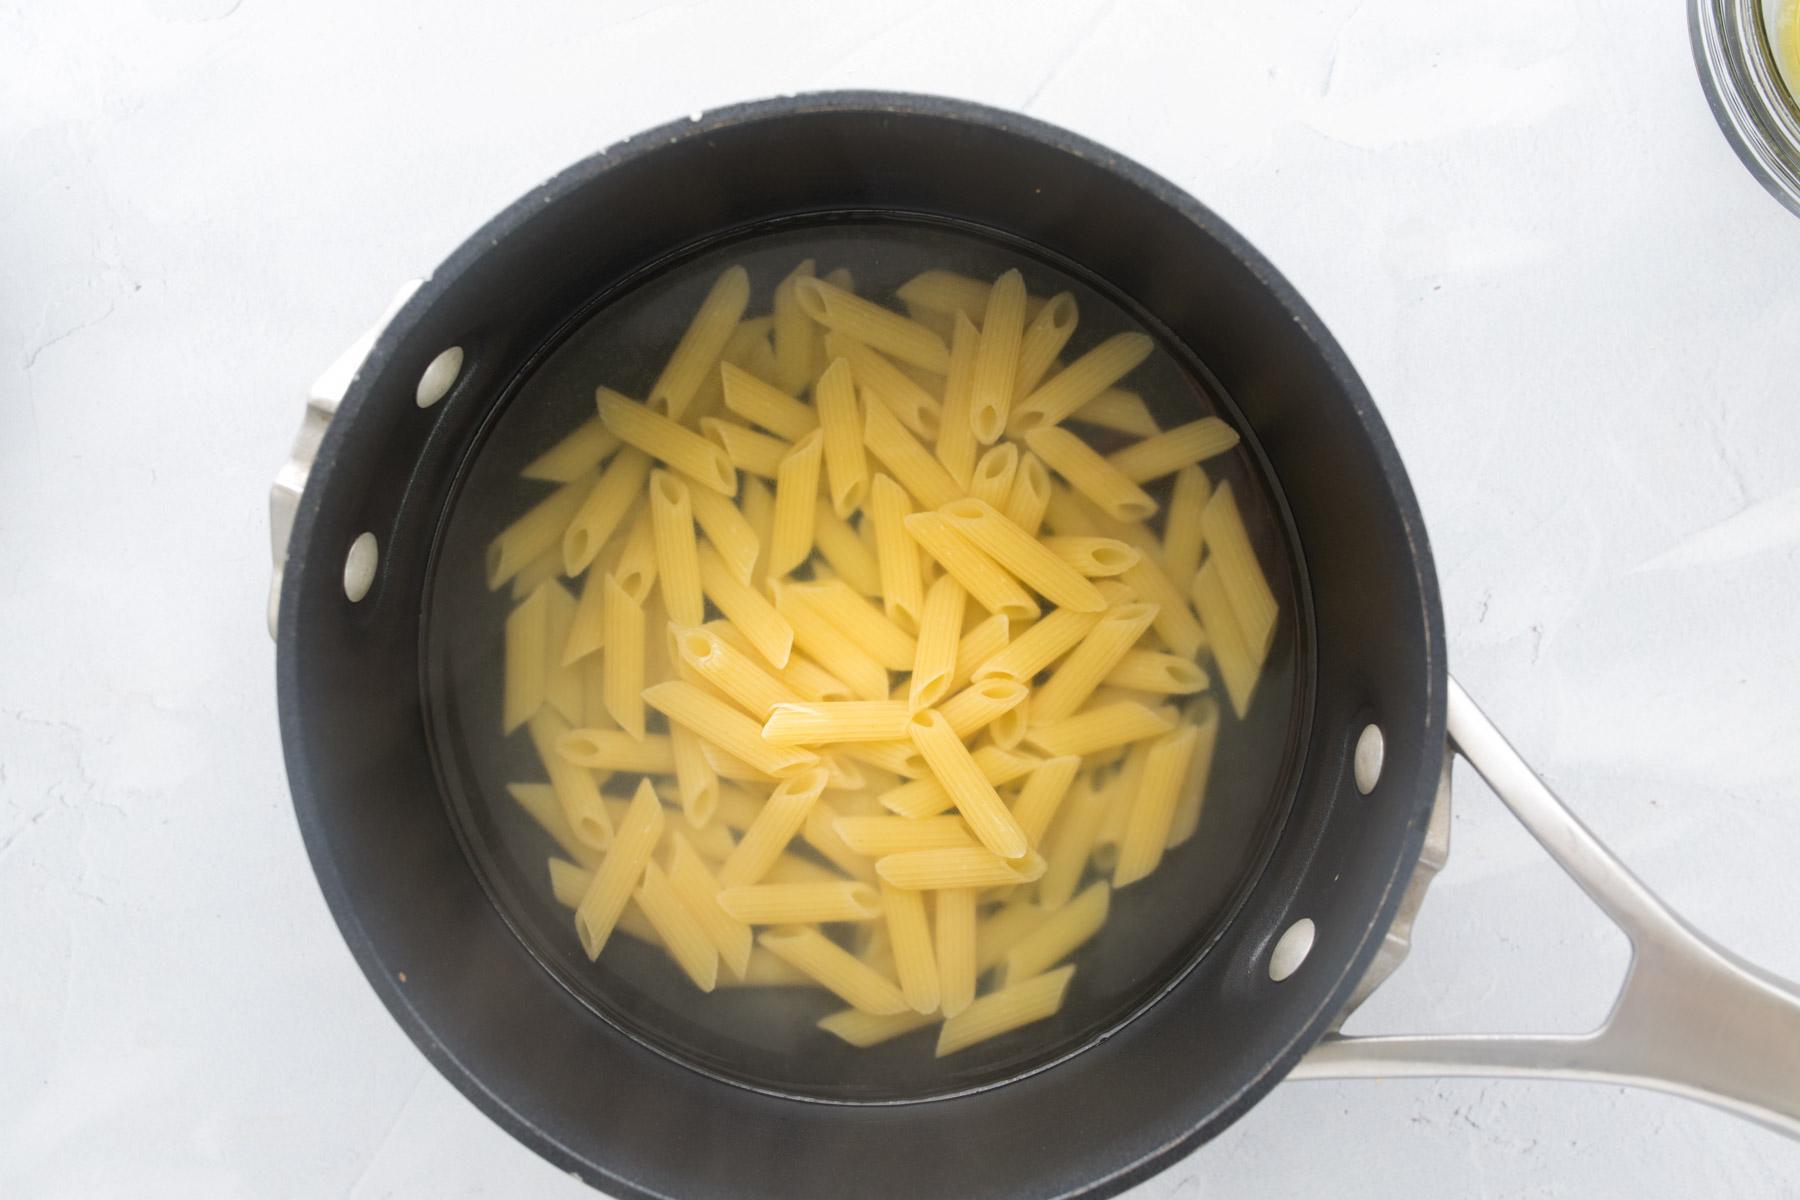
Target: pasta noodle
(956,443)
(911,465)
(1181,532)
(1152,810)
(1231,650)
(728,529)
(953,767)
(527,660)
(1071,843)
(1165,453)
(955,949)
(1118,409)
(979,575)
(1079,382)
(801,903)
(1089,474)
(846,463)
(1093,658)
(725,727)
(680,930)
(1239,575)
(695,779)
(844,550)
(526,539)
(1174,621)
(1060,934)
(993,476)
(878,836)
(1013,1006)
(1153,671)
(774,827)
(614,750)
(837,970)
(1099,728)
(821,639)
(1093,557)
(1203,715)
(957,867)
(816,723)
(927,797)
(820,832)
(863,1029)
(912,405)
(997,358)
(796,510)
(793,331)
(902,586)
(540,802)
(1028,559)
(862,622)
(1042,794)
(746,608)
(1043,340)
(981,704)
(1030,495)
(940,626)
(702,343)
(623,661)
(1039,646)
(733,672)
(766,405)
(659,437)
(980,642)
(746,449)
(585,447)
(619,872)
(603,508)
(677,548)
(879,328)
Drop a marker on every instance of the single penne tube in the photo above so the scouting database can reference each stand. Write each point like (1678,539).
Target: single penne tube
(979,574)
(1118,409)
(774,827)
(953,767)
(997,358)
(813,682)
(1181,538)
(791,868)
(997,934)
(846,461)
(1036,805)
(992,479)
(758,506)
(844,551)
(927,797)
(940,629)
(1059,935)
(1001,1011)
(622,660)
(898,758)
(1230,646)
(1166,453)
(946,292)
(879,836)
(980,642)
(1203,715)
(540,803)
(836,969)
(981,704)
(711,841)
(956,446)
(698,351)
(635,568)
(911,465)
(1008,729)
(1090,475)
(593,694)
(677,548)
(861,621)
(620,871)
(1043,341)
(1152,809)
(540,529)
(815,723)
(793,332)
(1241,575)
(1022,555)
(1070,842)
(1076,677)
(695,779)
(1154,671)
(726,727)
(1100,728)
(915,955)
(767,406)
(733,672)
(749,612)
(1078,383)
(526,658)
(569,881)
(1174,621)
(954,910)
(615,750)
(912,404)
(957,867)
(862,1030)
(727,529)
(748,450)
(801,903)
(1038,647)
(547,565)
(681,932)
(562,681)
(581,450)
(619,487)
(874,325)
(820,832)
(765,970)
(667,441)
(1030,495)
(694,883)
(577,791)
(897,555)
(1093,557)
(796,495)
(824,642)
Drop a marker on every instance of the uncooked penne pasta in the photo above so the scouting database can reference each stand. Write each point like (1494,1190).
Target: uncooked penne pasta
(836,969)
(793,333)
(749,612)
(540,803)
(1010,1008)
(846,462)
(902,586)
(822,640)
(680,930)
(992,479)
(620,871)
(1060,934)
(814,723)
(911,465)
(844,550)
(940,629)
(879,836)
(774,827)
(997,358)
(1174,621)
(695,779)
(766,405)
(1079,382)
(1030,495)
(915,956)
(619,487)
(981,704)
(901,758)
(997,934)
(746,449)
(877,327)
(733,672)
(1023,556)
(729,531)
(547,565)
(615,750)
(1043,341)
(725,727)
(1093,557)
(1152,809)
(635,568)
(1203,715)
(956,444)
(801,903)
(527,659)
(947,292)
(562,682)
(957,867)
(577,791)
(1182,529)
(1165,453)
(665,440)
(862,622)
(698,351)
(1071,842)
(581,450)
(1042,795)
(1090,475)
(540,529)
(980,642)
(927,797)
(1045,642)
(1100,728)
(820,832)
(863,1029)
(677,548)
(1119,409)
(1098,652)
(796,496)
(980,575)
(913,405)
(1231,650)
(1240,575)
(1154,671)
(955,936)
(765,970)
(953,767)
(623,658)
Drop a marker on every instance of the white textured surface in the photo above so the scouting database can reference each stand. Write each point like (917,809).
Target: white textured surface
(1574,307)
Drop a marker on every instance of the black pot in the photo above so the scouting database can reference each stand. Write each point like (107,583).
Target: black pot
(1138,1090)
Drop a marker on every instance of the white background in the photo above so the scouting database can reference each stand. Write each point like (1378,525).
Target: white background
(1575,308)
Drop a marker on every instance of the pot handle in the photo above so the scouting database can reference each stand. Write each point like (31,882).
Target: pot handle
(322,400)
(1691,1018)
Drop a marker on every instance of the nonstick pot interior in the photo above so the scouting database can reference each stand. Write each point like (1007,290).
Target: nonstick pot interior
(413,907)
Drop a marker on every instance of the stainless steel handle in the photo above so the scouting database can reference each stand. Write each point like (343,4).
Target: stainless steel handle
(1691,1017)
(322,400)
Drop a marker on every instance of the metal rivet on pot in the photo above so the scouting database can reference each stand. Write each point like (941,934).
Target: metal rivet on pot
(1371,748)
(1291,949)
(439,375)
(359,567)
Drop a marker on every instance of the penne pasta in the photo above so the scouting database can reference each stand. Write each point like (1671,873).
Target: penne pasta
(1030,495)
(695,779)
(1174,621)
(900,758)
(661,438)
(614,750)
(955,930)
(725,727)
(822,640)
(793,333)
(912,404)
(620,871)
(863,1029)
(1037,802)
(635,568)
(766,405)
(862,622)
(545,566)
(581,450)
(1152,808)
(1154,671)
(1045,642)
(1165,453)
(818,723)
(879,836)
(765,970)
(698,351)
(623,658)
(801,903)
(728,529)
(836,969)
(843,548)
(897,555)
(996,935)
(1239,573)
(1182,530)
(968,787)
(957,867)
(1043,341)
(1026,558)
(526,657)
(1093,557)
(946,292)
(577,791)
(540,803)
(911,465)
(980,642)
(846,462)
(820,832)
(796,510)
(569,881)
(1118,409)
(1078,383)
(940,626)
(1060,934)
(915,956)
(677,548)
(997,358)
(1110,639)
(956,442)
(1230,646)
(992,479)
(877,327)
(562,682)
(1071,843)
(1203,715)
(541,528)
(746,609)
(736,674)
(979,575)
(1100,728)
(980,704)
(601,510)
(681,933)
(1090,475)
(927,797)
(774,827)
(747,450)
